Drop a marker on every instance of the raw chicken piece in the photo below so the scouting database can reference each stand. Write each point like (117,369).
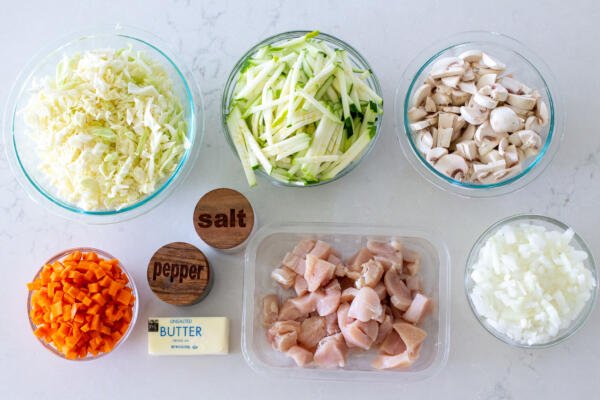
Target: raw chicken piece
(290,261)
(303,247)
(402,360)
(411,335)
(420,306)
(289,312)
(412,262)
(396,288)
(321,250)
(392,344)
(300,355)
(384,329)
(342,315)
(414,284)
(381,290)
(301,267)
(331,352)
(300,285)
(388,263)
(361,334)
(371,274)
(335,260)
(312,331)
(330,302)
(318,272)
(355,263)
(340,270)
(283,334)
(270,309)
(306,303)
(348,295)
(284,276)
(331,324)
(366,305)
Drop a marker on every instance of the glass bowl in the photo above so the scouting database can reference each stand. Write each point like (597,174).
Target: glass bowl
(355,59)
(526,66)
(130,284)
(576,242)
(21,150)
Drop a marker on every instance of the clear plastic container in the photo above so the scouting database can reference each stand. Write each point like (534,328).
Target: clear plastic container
(552,225)
(526,66)
(20,148)
(265,252)
(355,58)
(130,284)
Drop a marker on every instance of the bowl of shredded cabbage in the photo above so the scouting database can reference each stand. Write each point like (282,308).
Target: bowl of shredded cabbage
(101,126)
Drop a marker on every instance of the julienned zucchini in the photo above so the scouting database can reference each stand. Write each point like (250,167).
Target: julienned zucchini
(301,112)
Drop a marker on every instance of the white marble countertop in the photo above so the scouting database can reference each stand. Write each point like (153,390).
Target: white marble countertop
(210,37)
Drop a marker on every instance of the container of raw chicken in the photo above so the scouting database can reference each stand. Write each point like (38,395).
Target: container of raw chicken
(346,302)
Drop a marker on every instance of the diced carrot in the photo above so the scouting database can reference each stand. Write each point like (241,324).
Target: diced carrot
(81,305)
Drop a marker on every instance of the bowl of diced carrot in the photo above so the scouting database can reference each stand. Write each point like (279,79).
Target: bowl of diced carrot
(82,304)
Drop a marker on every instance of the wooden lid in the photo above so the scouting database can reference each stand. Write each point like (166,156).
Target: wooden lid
(223,218)
(179,274)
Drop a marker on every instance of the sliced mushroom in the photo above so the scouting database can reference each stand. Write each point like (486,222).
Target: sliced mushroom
(416,114)
(542,112)
(460,97)
(524,102)
(491,156)
(444,137)
(420,125)
(468,133)
(485,133)
(486,80)
(469,75)
(424,141)
(447,66)
(421,94)
(446,120)
(450,109)
(468,149)
(514,86)
(529,140)
(468,87)
(504,119)
(499,92)
(471,55)
(492,63)
(473,115)
(441,99)
(533,123)
(511,156)
(451,81)
(452,165)
(435,154)
(430,106)
(485,101)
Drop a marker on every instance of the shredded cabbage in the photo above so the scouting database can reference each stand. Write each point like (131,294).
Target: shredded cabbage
(108,127)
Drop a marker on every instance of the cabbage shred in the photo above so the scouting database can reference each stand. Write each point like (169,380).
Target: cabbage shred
(108,127)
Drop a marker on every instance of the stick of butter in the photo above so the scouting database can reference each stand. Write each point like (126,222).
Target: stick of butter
(188,336)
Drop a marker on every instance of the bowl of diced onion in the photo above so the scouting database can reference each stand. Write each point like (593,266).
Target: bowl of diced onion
(531,281)
(302,109)
(101,126)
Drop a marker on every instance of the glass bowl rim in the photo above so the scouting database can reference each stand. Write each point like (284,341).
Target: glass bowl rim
(193,100)
(550,88)
(576,324)
(231,83)
(131,284)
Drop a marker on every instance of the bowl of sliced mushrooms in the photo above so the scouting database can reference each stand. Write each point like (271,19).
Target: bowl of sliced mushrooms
(478,114)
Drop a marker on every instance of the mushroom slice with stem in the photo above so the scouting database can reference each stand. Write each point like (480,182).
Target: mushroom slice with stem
(486,80)
(474,115)
(424,141)
(452,165)
(467,149)
(514,86)
(435,154)
(524,102)
(416,114)
(447,66)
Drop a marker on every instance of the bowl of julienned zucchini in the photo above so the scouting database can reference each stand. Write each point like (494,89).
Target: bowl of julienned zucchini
(301,108)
